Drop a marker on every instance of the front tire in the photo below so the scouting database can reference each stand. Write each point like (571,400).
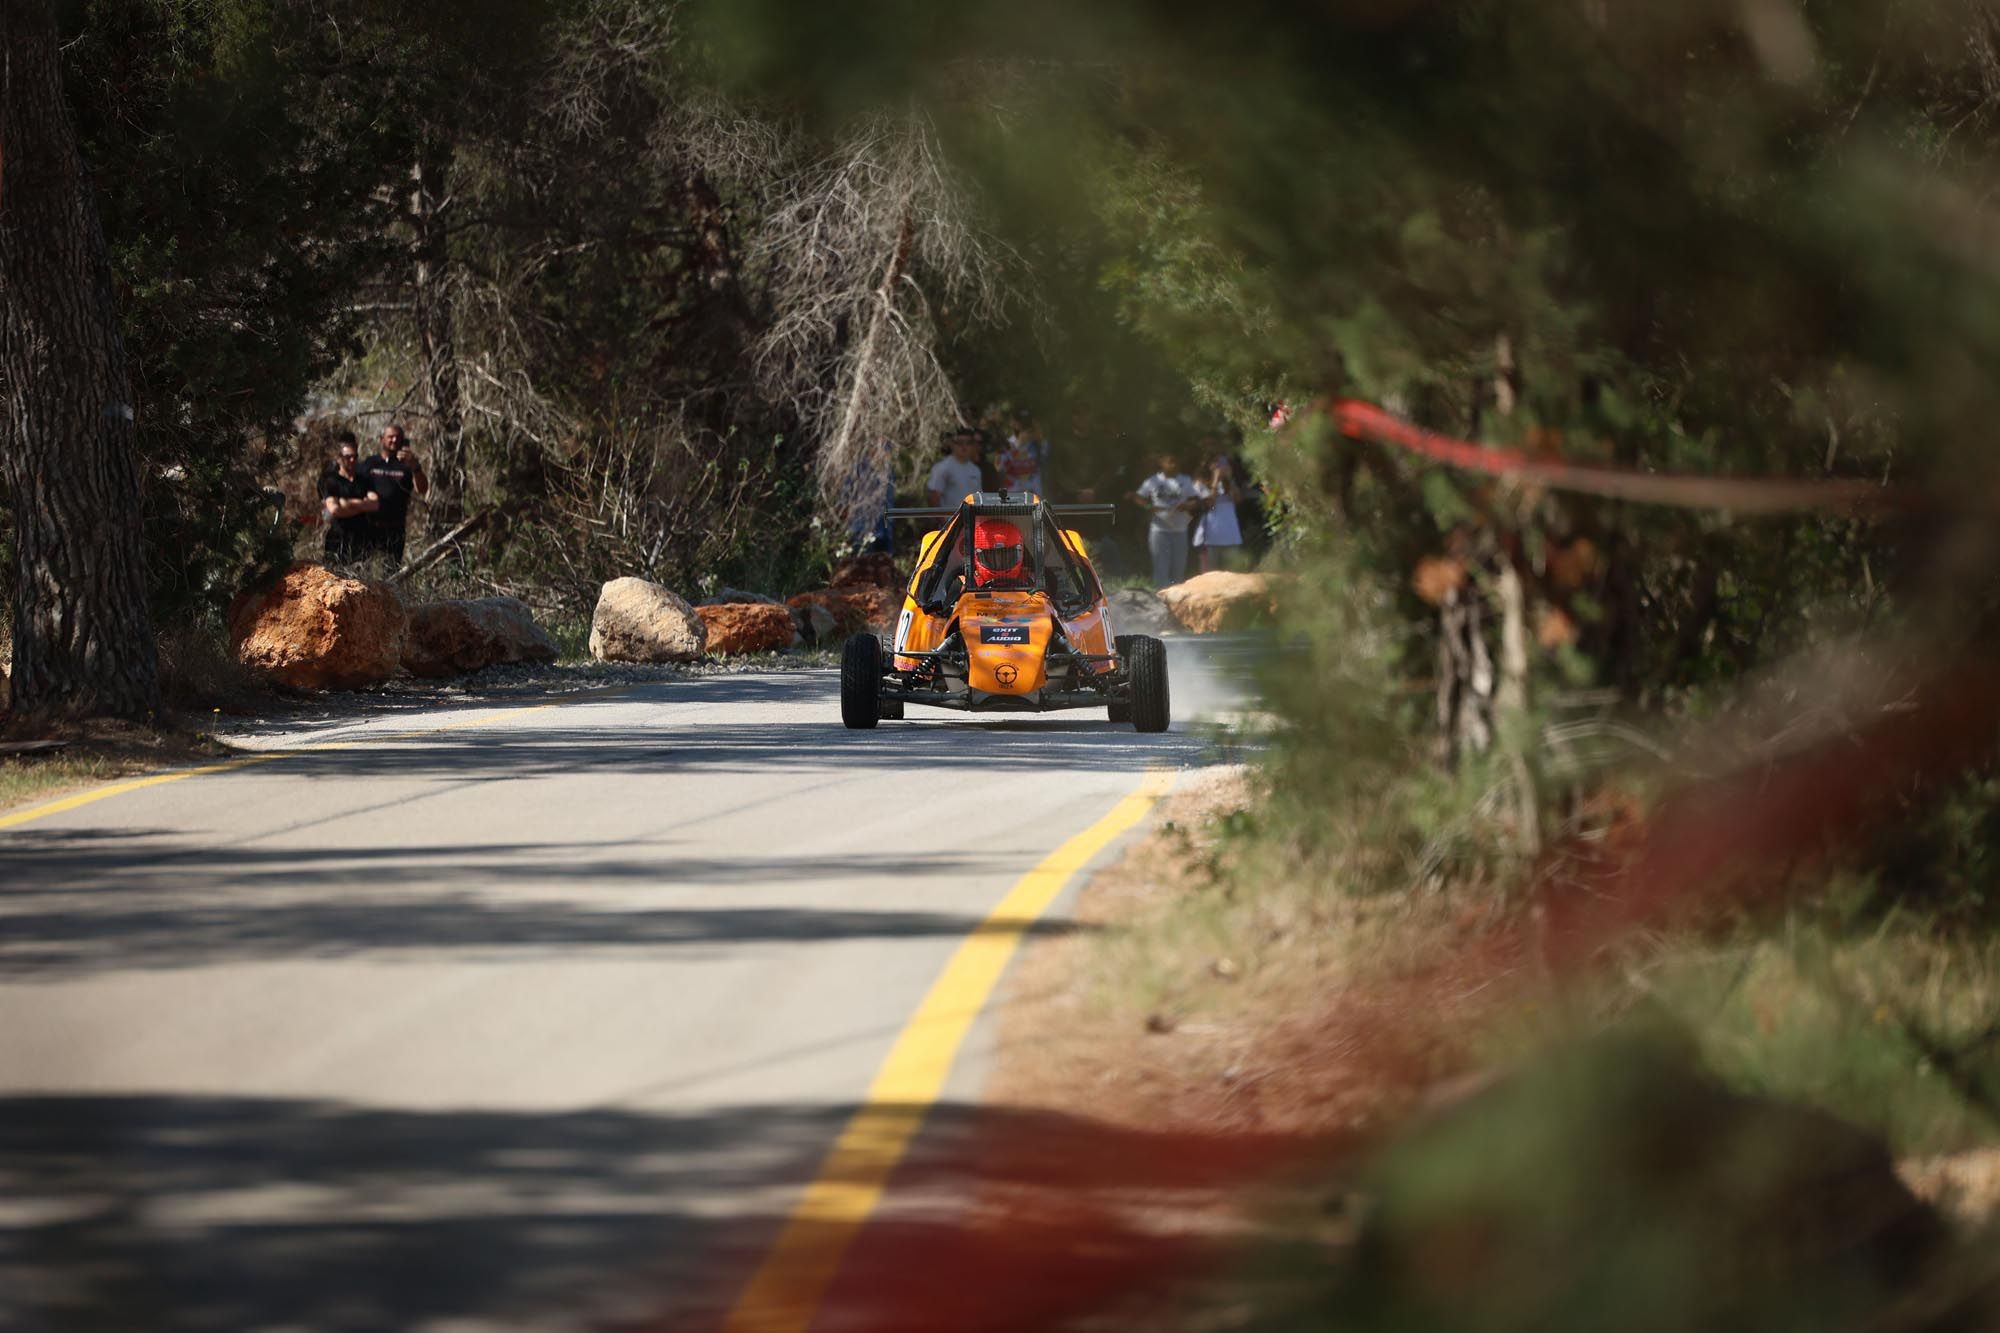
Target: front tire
(1147,665)
(861,682)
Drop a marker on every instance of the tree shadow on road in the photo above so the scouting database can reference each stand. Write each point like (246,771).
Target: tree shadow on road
(191,1213)
(84,902)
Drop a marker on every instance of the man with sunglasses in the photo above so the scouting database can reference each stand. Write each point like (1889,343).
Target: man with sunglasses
(348,504)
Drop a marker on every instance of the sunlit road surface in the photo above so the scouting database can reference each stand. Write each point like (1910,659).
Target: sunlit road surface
(541,1021)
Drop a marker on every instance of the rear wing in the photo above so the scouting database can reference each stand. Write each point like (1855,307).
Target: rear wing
(998,508)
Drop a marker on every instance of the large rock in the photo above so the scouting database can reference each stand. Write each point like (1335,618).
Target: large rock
(314,629)
(637,621)
(815,624)
(1139,611)
(854,608)
(748,627)
(1211,603)
(452,638)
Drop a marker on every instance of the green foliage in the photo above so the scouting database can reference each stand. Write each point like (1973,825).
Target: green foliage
(242,168)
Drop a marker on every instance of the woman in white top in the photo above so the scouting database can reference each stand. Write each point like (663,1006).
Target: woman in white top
(1218,535)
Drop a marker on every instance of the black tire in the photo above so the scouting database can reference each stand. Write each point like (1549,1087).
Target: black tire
(1147,664)
(861,682)
(1120,710)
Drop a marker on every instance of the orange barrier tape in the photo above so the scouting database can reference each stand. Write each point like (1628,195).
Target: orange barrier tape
(1744,495)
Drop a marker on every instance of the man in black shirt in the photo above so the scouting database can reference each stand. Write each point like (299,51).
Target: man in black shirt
(348,504)
(394,475)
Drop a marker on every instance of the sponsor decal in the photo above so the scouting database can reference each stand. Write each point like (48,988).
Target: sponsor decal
(1005,673)
(1003,633)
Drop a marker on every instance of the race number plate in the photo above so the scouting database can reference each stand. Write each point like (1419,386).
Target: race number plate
(1003,633)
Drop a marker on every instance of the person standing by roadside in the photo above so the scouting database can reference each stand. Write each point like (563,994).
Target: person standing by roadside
(1024,456)
(394,475)
(347,504)
(1172,501)
(1218,536)
(870,495)
(957,476)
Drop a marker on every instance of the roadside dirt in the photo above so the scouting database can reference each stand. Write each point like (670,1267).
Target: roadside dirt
(1256,1061)
(1062,1046)
(1208,1135)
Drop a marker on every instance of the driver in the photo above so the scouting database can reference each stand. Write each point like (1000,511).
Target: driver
(999,555)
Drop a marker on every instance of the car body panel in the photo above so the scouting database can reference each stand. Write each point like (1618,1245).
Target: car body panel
(1007,641)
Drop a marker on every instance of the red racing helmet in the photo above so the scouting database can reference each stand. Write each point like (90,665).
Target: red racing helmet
(999,553)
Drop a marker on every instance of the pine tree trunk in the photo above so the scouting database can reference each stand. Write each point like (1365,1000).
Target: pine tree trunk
(83,639)
(1513,716)
(437,338)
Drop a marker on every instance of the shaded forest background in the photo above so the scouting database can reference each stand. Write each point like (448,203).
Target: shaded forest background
(659,324)
(656,282)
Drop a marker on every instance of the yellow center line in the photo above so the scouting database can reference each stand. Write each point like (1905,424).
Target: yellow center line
(784,1295)
(105,793)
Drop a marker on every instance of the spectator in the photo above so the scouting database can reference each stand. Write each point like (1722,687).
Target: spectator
(873,485)
(1172,500)
(1022,459)
(348,504)
(394,475)
(957,476)
(1218,536)
(982,454)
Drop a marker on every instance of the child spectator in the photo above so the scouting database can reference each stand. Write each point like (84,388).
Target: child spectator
(1022,459)
(1218,535)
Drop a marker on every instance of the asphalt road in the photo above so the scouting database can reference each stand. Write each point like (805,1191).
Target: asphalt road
(538,1021)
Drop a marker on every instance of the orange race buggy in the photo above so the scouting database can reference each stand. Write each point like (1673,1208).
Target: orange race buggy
(1004,614)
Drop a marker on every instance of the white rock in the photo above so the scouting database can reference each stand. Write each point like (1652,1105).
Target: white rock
(637,621)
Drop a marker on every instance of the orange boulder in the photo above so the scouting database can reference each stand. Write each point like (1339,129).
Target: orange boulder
(314,629)
(748,627)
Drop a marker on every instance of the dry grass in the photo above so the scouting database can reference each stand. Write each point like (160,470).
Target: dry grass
(1205,995)
(1890,1029)
(99,752)
(200,675)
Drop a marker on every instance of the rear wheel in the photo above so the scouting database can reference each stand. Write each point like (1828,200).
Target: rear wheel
(861,682)
(1147,665)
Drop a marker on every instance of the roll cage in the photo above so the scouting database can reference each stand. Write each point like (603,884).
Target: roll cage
(1060,569)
